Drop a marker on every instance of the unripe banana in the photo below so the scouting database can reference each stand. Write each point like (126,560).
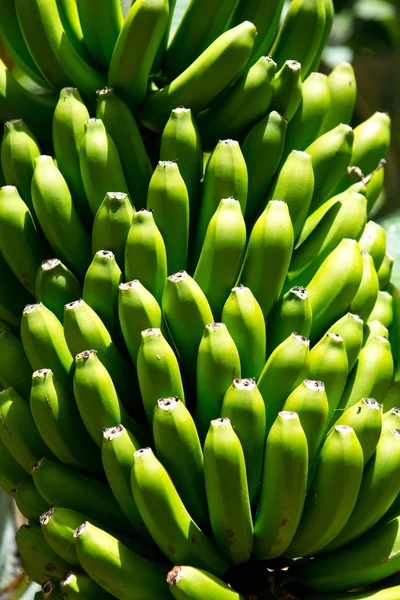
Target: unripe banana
(329,15)
(287,94)
(394,333)
(390,419)
(392,398)
(82,587)
(291,313)
(68,130)
(331,155)
(15,370)
(389,593)
(268,255)
(385,271)
(57,216)
(350,328)
(372,329)
(367,294)
(100,28)
(334,285)
(33,575)
(61,486)
(20,243)
(181,141)
(204,79)
(19,148)
(283,486)
(28,500)
(244,406)
(55,286)
(302,15)
(190,582)
(167,519)
(310,402)
(371,375)
(342,90)
(373,241)
(186,311)
(42,337)
(13,295)
(225,177)
(222,254)
(383,309)
(218,361)
(332,495)
(11,472)
(145,254)
(69,16)
(158,371)
(245,322)
(284,370)
(122,127)
(52,50)
(168,198)
(100,164)
(37,552)
(58,422)
(244,105)
(305,126)
(100,290)
(375,182)
(262,150)
(178,447)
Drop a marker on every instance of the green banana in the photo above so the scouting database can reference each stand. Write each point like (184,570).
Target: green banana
(68,130)
(168,198)
(100,164)
(59,424)
(262,150)
(81,586)
(13,295)
(186,311)
(392,398)
(334,285)
(167,519)
(390,419)
(180,141)
(33,575)
(241,107)
(37,552)
(350,328)
(227,492)
(178,447)
(383,309)
(310,402)
(29,502)
(43,339)
(100,290)
(204,79)
(268,255)
(283,486)
(225,177)
(285,369)
(190,582)
(244,406)
(122,127)
(145,254)
(222,254)
(372,329)
(56,285)
(61,486)
(385,271)
(19,148)
(291,313)
(374,183)
(343,91)
(100,29)
(69,16)
(11,472)
(287,93)
(389,593)
(298,197)
(112,224)
(158,371)
(366,297)
(394,332)
(15,370)
(117,448)
(18,431)
(57,216)
(20,243)
(329,15)
(332,495)
(302,15)
(373,241)
(245,321)
(218,361)
(52,50)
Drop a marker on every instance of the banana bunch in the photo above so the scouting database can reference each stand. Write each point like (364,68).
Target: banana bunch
(199,339)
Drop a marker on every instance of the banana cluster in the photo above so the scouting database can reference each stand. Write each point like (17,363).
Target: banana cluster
(199,339)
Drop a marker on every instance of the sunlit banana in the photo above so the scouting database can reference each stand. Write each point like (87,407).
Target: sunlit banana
(56,285)
(291,313)
(342,90)
(287,94)
(190,582)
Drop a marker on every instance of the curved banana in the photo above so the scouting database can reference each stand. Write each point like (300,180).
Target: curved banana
(343,91)
(394,333)
(37,552)
(204,79)
(283,486)
(69,16)
(15,370)
(374,183)
(245,322)
(350,328)
(55,286)
(11,472)
(100,29)
(291,313)
(81,586)
(366,297)
(372,329)
(112,224)
(329,15)
(392,398)
(383,309)
(385,271)
(28,500)
(373,241)
(287,94)
(244,406)
(190,582)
